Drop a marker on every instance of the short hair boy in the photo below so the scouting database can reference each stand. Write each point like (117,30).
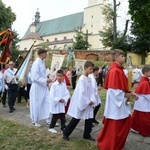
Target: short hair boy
(59,95)
(81,105)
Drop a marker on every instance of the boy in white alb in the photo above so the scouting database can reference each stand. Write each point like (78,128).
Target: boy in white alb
(81,104)
(96,88)
(59,95)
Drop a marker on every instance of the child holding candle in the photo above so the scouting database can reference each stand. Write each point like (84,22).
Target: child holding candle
(117,120)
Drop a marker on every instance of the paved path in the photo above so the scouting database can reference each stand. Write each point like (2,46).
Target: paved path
(21,115)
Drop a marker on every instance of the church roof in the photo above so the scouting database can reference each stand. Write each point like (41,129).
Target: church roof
(32,35)
(59,25)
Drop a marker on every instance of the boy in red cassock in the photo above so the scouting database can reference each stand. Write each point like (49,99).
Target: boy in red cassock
(141,114)
(117,120)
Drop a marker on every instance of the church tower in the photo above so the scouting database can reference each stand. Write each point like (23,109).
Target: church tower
(94,22)
(37,17)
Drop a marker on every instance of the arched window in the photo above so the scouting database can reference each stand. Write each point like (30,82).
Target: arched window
(55,39)
(65,38)
(55,47)
(65,46)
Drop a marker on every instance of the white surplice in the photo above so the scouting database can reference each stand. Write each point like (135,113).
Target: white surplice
(143,103)
(116,107)
(95,88)
(39,93)
(79,107)
(1,82)
(58,91)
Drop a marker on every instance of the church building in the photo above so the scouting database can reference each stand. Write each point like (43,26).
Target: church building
(58,33)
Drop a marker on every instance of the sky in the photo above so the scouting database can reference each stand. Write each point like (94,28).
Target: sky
(50,9)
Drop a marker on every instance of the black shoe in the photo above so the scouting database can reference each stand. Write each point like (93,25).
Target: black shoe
(92,125)
(14,108)
(10,111)
(95,121)
(4,105)
(89,138)
(65,137)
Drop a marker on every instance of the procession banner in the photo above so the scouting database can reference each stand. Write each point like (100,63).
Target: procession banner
(23,71)
(57,61)
(70,56)
(79,63)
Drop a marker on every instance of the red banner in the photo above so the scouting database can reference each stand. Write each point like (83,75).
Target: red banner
(7,42)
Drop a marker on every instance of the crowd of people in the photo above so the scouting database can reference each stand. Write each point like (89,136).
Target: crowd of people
(50,99)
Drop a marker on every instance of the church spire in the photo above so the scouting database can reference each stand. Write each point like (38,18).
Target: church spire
(37,17)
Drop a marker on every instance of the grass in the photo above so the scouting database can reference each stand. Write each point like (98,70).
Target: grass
(14,136)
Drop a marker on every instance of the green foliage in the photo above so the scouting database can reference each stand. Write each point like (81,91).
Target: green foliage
(15,51)
(140,12)
(7,17)
(30,138)
(81,42)
(123,40)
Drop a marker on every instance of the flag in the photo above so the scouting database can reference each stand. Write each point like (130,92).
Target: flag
(79,63)
(24,69)
(57,61)
(70,55)
(7,42)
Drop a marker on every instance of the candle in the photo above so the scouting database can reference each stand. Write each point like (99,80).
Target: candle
(129,84)
(129,80)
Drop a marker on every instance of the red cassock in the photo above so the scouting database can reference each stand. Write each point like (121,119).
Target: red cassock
(65,79)
(141,120)
(114,133)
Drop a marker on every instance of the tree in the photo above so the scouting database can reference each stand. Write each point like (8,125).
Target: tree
(7,17)
(15,51)
(110,36)
(140,12)
(81,42)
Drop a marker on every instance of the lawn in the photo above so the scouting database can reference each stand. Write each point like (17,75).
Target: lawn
(15,136)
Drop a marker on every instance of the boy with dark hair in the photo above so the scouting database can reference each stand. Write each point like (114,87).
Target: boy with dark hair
(81,104)
(117,112)
(39,93)
(141,114)
(59,96)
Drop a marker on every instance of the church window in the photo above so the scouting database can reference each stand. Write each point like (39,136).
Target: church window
(55,47)
(65,46)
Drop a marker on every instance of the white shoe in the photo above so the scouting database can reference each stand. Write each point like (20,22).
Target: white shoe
(134,131)
(36,124)
(57,124)
(52,130)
